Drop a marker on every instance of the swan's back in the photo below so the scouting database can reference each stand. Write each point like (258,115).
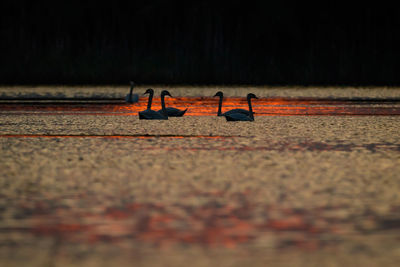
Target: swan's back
(174,112)
(150,114)
(238,110)
(238,117)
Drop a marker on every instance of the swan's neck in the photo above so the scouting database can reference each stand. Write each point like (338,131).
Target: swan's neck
(220,106)
(164,111)
(130,92)
(150,100)
(250,108)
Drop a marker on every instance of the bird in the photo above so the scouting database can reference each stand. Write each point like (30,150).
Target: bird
(132,98)
(150,114)
(238,110)
(174,112)
(240,116)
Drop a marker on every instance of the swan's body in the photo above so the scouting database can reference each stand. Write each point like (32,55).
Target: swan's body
(238,117)
(174,112)
(150,114)
(241,116)
(232,111)
(132,98)
(237,110)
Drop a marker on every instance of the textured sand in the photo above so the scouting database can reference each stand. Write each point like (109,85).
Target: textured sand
(282,191)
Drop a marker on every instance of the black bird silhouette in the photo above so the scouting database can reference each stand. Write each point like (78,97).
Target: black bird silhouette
(240,116)
(174,112)
(238,110)
(150,114)
(132,98)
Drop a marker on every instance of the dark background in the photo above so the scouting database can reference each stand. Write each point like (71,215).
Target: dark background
(198,42)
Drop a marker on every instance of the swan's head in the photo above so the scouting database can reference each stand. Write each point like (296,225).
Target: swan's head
(132,83)
(165,92)
(219,93)
(149,91)
(251,95)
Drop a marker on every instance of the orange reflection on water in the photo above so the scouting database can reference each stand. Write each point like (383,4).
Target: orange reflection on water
(208,106)
(208,225)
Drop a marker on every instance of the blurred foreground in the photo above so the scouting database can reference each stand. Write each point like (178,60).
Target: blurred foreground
(101,189)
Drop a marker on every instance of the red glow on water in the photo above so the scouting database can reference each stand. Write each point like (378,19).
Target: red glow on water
(60,228)
(209,225)
(208,106)
(293,222)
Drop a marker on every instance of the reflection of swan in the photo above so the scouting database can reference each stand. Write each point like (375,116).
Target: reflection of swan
(131,98)
(150,114)
(238,110)
(240,116)
(173,112)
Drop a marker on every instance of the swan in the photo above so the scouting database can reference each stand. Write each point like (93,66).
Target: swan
(150,114)
(238,110)
(240,116)
(174,112)
(132,98)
